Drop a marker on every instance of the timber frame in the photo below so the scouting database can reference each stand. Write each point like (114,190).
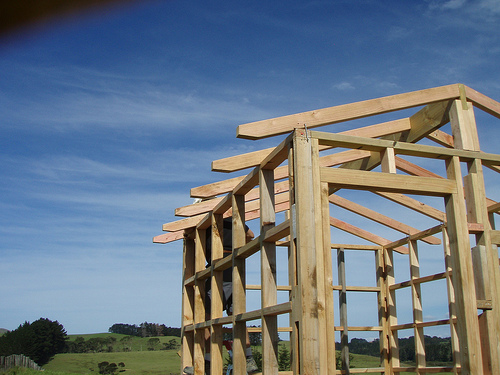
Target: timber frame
(292,188)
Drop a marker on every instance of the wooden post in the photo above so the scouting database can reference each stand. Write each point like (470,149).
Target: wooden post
(326,262)
(463,276)
(485,256)
(416,296)
(305,233)
(187,346)
(216,360)
(455,346)
(344,336)
(268,273)
(199,303)
(239,296)
(292,269)
(392,319)
(383,310)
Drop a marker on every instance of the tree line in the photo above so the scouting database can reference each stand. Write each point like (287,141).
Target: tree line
(40,340)
(111,344)
(144,330)
(436,348)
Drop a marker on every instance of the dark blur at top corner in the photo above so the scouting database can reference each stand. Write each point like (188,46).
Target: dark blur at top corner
(27,16)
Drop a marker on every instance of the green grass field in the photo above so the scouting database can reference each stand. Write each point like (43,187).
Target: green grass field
(145,362)
(139,360)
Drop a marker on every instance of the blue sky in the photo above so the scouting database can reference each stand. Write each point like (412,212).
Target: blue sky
(108,119)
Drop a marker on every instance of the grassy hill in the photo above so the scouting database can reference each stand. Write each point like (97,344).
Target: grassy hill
(145,362)
(138,361)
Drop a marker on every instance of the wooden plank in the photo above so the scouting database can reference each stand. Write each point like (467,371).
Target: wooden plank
(252,159)
(414,205)
(239,293)
(344,335)
(442,138)
(494,207)
(213,189)
(419,280)
(483,102)
(425,121)
(452,308)
(349,228)
(416,297)
(199,305)
(463,277)
(384,333)
(306,302)
(191,222)
(169,237)
(379,218)
(388,182)
(392,320)
(415,236)
(345,112)
(402,148)
(216,336)
(355,247)
(387,160)
(278,232)
(188,270)
(486,271)
(268,272)
(463,126)
(225,186)
(495,237)
(349,288)
(413,169)
(326,262)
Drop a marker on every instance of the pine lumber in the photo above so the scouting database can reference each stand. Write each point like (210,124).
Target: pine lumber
(345,112)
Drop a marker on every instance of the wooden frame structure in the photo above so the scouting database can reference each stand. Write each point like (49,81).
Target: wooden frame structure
(291,190)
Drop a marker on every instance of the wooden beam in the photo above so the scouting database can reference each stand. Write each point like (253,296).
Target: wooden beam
(252,159)
(414,205)
(379,218)
(483,102)
(463,274)
(442,138)
(345,112)
(361,233)
(377,181)
(169,237)
(425,121)
(402,148)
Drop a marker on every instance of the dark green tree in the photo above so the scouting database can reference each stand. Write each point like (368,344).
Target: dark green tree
(106,368)
(153,343)
(283,358)
(40,340)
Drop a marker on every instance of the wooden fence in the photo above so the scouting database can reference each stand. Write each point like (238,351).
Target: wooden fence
(18,360)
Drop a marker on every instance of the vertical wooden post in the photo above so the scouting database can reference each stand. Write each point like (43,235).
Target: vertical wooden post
(239,296)
(416,296)
(268,273)
(486,270)
(306,244)
(326,262)
(463,276)
(392,319)
(485,255)
(344,335)
(199,303)
(187,303)
(455,346)
(292,268)
(382,310)
(216,361)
